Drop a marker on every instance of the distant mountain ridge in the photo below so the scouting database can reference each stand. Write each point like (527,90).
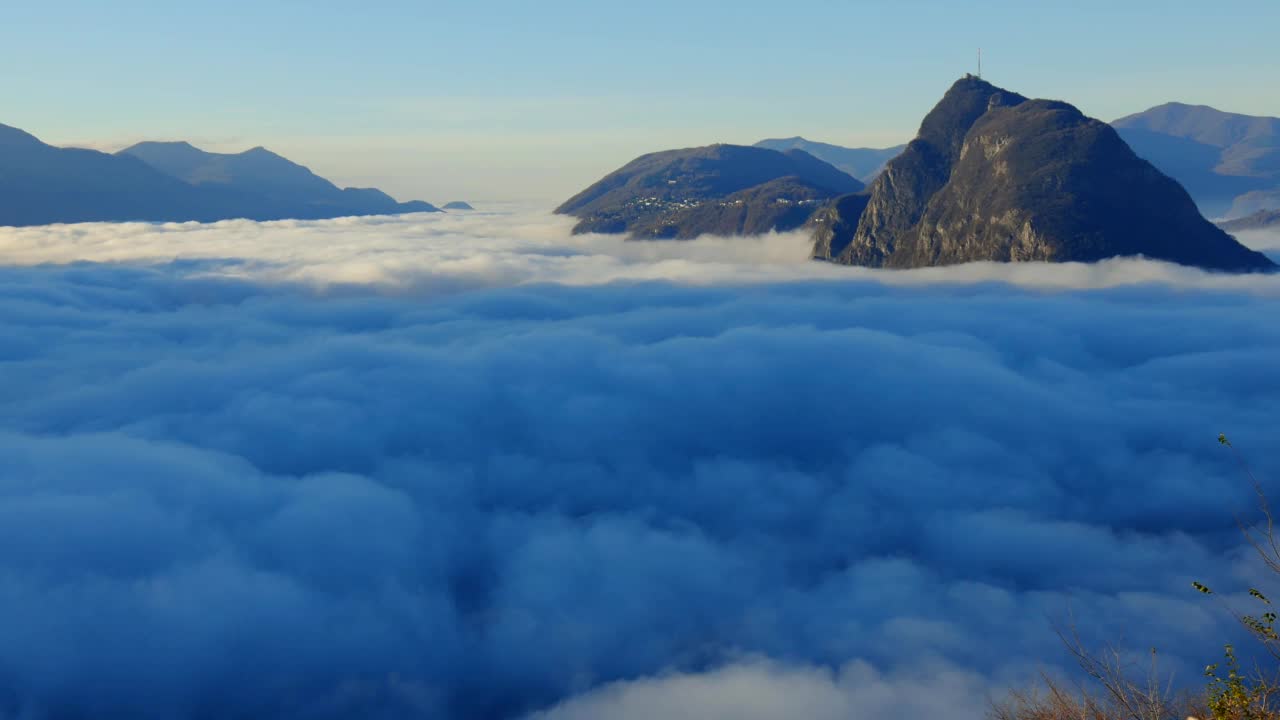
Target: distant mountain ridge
(1261,220)
(257,169)
(995,176)
(41,184)
(862,163)
(1254,201)
(1210,126)
(296,190)
(716,189)
(1230,163)
(168,182)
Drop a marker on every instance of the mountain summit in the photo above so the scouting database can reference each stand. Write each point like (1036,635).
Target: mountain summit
(12,137)
(993,175)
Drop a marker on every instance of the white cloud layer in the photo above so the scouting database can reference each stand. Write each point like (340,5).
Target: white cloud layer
(513,246)
(761,690)
(470,466)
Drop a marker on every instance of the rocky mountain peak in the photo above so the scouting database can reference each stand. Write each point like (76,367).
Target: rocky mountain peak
(995,176)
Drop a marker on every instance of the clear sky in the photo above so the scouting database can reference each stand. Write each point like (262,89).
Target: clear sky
(534,99)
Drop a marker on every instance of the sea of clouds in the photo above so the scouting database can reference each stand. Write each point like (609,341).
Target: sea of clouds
(470,466)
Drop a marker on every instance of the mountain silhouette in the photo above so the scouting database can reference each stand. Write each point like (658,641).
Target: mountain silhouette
(861,163)
(42,184)
(293,190)
(1223,159)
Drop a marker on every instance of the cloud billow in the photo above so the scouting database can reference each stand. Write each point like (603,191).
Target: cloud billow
(237,482)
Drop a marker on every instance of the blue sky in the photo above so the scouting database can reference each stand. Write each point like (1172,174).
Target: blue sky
(532,100)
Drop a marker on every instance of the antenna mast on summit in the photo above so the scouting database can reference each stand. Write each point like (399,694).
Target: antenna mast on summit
(979,63)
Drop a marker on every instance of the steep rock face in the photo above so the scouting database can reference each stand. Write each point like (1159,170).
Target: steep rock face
(835,224)
(901,194)
(995,176)
(722,189)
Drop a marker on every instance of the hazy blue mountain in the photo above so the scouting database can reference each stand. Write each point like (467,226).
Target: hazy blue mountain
(42,184)
(1218,156)
(1261,220)
(995,176)
(862,163)
(458,205)
(1210,126)
(1253,202)
(294,190)
(723,189)
(258,169)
